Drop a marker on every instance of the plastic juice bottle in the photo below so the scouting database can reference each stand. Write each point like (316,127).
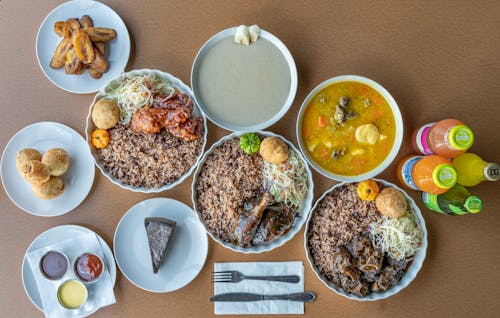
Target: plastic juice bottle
(472,169)
(457,201)
(448,138)
(432,174)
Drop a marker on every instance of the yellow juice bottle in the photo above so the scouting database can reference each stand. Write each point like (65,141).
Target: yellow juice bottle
(472,170)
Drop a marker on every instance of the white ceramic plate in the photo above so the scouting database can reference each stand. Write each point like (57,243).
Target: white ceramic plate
(183,88)
(77,180)
(397,119)
(299,221)
(186,254)
(411,271)
(51,236)
(270,121)
(117,51)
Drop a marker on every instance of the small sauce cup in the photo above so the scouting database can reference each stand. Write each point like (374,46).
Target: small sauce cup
(72,294)
(54,265)
(88,268)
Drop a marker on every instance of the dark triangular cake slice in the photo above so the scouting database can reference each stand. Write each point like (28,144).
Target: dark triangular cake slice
(159,232)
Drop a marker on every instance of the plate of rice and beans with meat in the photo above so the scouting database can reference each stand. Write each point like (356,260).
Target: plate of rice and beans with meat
(365,240)
(252,191)
(145,131)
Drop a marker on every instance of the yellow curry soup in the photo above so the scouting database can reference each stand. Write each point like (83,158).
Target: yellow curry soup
(332,138)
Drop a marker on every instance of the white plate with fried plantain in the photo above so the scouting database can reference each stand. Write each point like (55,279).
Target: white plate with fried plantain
(81,45)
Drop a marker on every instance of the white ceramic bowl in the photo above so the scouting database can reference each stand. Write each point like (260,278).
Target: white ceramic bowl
(183,88)
(397,118)
(277,242)
(412,270)
(291,93)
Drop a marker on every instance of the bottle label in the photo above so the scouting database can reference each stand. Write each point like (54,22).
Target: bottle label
(406,170)
(430,201)
(421,139)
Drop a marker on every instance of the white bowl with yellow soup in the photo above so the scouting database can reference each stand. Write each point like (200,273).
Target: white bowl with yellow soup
(349,128)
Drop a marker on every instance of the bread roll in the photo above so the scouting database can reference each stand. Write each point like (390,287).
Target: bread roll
(57,160)
(51,189)
(37,172)
(23,159)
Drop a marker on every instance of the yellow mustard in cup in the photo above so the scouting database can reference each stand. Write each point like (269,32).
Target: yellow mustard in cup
(72,294)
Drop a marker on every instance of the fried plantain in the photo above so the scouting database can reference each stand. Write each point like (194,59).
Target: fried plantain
(100,47)
(59,57)
(95,74)
(99,64)
(72,64)
(58,28)
(86,22)
(83,46)
(70,26)
(100,34)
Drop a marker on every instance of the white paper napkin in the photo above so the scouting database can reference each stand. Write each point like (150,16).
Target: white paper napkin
(260,287)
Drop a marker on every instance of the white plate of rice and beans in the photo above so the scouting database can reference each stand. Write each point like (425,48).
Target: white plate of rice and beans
(252,191)
(145,131)
(365,240)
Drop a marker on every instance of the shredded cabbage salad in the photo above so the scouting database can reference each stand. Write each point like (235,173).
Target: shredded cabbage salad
(287,182)
(137,91)
(399,237)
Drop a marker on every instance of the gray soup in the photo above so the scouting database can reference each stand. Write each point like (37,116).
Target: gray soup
(243,85)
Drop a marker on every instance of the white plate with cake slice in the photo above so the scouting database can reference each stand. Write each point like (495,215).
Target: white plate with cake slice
(179,252)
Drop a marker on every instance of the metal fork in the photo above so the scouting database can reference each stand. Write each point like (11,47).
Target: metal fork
(236,277)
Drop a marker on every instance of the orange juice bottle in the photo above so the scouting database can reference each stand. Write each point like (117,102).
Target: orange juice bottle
(432,174)
(472,170)
(448,138)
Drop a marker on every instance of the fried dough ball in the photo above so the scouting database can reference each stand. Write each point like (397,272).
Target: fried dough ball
(274,150)
(37,172)
(23,158)
(57,160)
(391,202)
(105,114)
(50,189)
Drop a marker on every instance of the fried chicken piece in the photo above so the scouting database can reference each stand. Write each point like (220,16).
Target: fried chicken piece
(144,121)
(175,101)
(190,130)
(174,117)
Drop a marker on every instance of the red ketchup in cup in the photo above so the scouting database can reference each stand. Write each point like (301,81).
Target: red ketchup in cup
(88,267)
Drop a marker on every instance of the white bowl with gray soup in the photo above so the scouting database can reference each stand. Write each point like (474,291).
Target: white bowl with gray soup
(244,88)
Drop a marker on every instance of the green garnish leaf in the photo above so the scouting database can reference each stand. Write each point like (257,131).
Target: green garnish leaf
(250,143)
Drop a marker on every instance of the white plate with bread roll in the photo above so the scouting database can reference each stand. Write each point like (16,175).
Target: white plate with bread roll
(47,169)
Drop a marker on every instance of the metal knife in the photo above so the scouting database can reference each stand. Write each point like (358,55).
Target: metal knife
(238,297)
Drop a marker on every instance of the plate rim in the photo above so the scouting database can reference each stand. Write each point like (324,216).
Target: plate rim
(292,93)
(83,228)
(413,269)
(274,244)
(183,177)
(44,21)
(11,140)
(118,263)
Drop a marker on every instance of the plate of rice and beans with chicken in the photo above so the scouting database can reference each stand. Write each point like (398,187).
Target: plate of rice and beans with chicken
(365,240)
(252,191)
(145,131)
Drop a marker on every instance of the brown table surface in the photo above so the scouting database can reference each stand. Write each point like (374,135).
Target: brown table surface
(438,59)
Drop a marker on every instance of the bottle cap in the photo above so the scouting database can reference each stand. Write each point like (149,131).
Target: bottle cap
(444,176)
(461,137)
(473,204)
(492,172)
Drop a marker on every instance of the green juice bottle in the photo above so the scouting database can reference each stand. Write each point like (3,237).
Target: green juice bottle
(457,201)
